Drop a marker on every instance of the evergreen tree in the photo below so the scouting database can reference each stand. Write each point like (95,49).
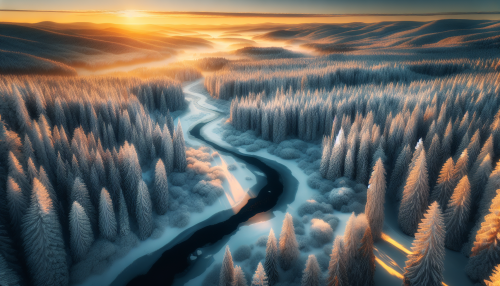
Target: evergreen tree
(260,277)
(425,264)
(494,278)
(226,276)
(265,126)
(325,158)
(144,211)
(123,222)
(107,220)
(271,261)
(349,165)
(456,216)
(415,196)
(80,194)
(288,245)
(337,270)
(363,161)
(43,242)
(337,157)
(167,149)
(444,187)
(400,172)
(312,272)
(17,173)
(160,189)
(180,163)
(434,159)
(81,236)
(239,277)
(480,179)
(486,246)
(374,209)
(131,174)
(17,203)
(461,168)
(365,261)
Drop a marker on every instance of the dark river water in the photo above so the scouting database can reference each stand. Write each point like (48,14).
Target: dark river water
(173,260)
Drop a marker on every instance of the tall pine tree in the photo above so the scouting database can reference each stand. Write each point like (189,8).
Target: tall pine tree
(415,196)
(374,209)
(312,272)
(486,246)
(288,245)
(456,216)
(160,189)
(107,220)
(271,261)
(226,276)
(425,264)
(43,242)
(81,236)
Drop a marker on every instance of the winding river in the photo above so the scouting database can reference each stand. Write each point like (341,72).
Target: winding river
(174,258)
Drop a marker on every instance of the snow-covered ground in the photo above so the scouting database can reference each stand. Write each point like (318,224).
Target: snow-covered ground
(390,252)
(238,183)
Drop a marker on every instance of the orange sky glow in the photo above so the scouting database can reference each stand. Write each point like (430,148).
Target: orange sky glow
(138,17)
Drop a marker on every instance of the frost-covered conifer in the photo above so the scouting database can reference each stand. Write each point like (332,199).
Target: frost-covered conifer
(400,172)
(81,236)
(180,163)
(365,261)
(239,277)
(17,173)
(425,264)
(312,272)
(461,167)
(160,196)
(17,203)
(480,179)
(415,196)
(260,277)
(144,211)
(494,278)
(288,245)
(131,174)
(434,159)
(265,126)
(226,276)
(363,159)
(349,165)
(325,158)
(456,216)
(444,187)
(374,209)
(80,194)
(336,165)
(107,220)
(271,261)
(167,149)
(43,242)
(486,246)
(123,222)
(337,270)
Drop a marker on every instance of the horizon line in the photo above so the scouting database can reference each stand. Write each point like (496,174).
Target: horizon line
(256,14)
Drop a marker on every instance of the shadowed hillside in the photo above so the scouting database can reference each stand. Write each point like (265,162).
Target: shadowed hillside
(88,46)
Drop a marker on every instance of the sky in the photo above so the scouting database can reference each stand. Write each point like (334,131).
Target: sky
(135,11)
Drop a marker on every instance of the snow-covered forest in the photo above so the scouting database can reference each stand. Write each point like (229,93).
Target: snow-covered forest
(90,164)
(423,136)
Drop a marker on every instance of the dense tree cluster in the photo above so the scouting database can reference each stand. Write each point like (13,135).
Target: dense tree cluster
(72,152)
(437,140)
